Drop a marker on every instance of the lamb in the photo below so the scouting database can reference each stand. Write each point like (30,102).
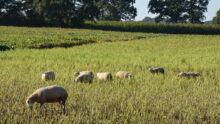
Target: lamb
(83,72)
(84,78)
(188,74)
(156,70)
(49,75)
(123,74)
(104,76)
(49,94)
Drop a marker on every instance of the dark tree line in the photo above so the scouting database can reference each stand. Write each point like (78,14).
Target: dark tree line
(74,12)
(64,12)
(179,11)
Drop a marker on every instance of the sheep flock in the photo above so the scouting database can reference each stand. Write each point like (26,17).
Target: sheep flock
(58,94)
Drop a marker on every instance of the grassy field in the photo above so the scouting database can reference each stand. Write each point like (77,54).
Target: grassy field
(59,37)
(146,98)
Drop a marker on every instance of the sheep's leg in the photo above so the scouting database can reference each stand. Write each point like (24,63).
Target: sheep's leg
(90,81)
(62,103)
(40,107)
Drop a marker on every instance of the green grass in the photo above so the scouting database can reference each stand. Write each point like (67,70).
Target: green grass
(58,37)
(146,98)
(154,28)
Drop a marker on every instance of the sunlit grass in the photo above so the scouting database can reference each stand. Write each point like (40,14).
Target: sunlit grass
(146,98)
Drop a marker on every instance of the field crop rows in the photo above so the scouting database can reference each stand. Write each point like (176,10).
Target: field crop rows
(154,27)
(146,98)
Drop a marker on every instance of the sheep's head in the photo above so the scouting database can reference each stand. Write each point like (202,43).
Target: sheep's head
(181,74)
(76,74)
(150,70)
(161,70)
(110,76)
(130,75)
(91,73)
(30,103)
(198,74)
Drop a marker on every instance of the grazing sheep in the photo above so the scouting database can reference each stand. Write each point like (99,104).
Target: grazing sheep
(104,76)
(188,74)
(84,78)
(83,72)
(50,94)
(156,70)
(123,74)
(46,76)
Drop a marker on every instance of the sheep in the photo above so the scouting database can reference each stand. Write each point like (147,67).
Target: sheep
(83,72)
(156,70)
(123,74)
(49,75)
(188,74)
(104,76)
(49,94)
(84,78)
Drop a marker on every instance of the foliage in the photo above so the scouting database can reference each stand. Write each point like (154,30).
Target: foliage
(178,11)
(196,9)
(154,28)
(170,10)
(146,98)
(216,20)
(63,13)
(148,19)
(55,12)
(11,12)
(117,10)
(89,9)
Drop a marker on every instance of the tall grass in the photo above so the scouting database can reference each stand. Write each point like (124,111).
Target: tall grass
(146,98)
(154,28)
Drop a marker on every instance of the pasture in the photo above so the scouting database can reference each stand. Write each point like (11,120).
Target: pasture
(145,98)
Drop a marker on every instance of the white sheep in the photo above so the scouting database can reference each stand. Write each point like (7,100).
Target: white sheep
(84,78)
(83,72)
(156,70)
(49,94)
(104,76)
(49,75)
(123,74)
(188,74)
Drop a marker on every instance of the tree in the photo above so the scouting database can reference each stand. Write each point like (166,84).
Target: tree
(11,12)
(89,9)
(117,10)
(148,19)
(170,10)
(216,20)
(175,11)
(195,10)
(64,12)
(54,12)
